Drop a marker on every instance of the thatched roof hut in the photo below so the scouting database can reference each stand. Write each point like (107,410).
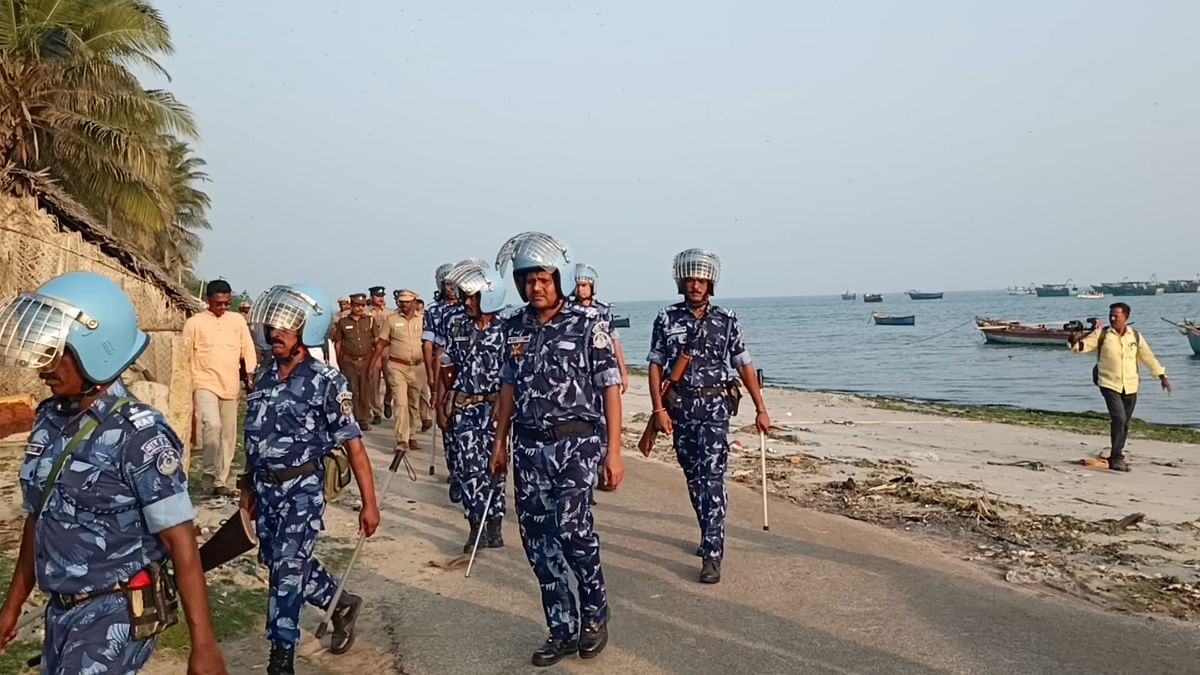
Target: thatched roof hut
(45,233)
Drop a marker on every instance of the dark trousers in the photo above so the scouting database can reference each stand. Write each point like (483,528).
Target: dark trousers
(1120,411)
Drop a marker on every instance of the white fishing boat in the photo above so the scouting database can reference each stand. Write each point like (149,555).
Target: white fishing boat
(1090,295)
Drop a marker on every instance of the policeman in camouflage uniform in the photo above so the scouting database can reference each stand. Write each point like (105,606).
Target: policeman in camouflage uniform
(471,363)
(698,408)
(585,297)
(558,378)
(433,343)
(104,490)
(299,410)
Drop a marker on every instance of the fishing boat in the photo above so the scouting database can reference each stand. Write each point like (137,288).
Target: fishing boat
(1055,290)
(1191,329)
(1021,290)
(872,297)
(620,322)
(1125,287)
(1090,295)
(888,320)
(922,295)
(1017,333)
(849,296)
(1182,285)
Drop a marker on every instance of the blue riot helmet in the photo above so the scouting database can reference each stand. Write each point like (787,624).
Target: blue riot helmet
(297,307)
(697,263)
(81,311)
(530,251)
(471,278)
(585,272)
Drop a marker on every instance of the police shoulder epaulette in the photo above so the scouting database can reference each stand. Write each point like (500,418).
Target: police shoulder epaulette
(141,415)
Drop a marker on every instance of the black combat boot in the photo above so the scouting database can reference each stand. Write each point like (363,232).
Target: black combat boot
(710,572)
(471,537)
(282,661)
(344,617)
(592,639)
(495,538)
(554,650)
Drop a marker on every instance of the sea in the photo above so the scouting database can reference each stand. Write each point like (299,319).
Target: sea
(824,343)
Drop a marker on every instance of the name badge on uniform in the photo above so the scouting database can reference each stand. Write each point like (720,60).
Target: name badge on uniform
(516,346)
(35,449)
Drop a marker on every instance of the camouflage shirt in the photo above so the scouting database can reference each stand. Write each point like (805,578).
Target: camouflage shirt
(717,343)
(559,369)
(299,419)
(475,354)
(122,486)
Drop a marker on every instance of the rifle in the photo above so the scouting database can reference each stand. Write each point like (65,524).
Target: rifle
(646,442)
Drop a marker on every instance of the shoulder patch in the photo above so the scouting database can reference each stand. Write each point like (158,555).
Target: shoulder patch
(168,462)
(154,447)
(345,400)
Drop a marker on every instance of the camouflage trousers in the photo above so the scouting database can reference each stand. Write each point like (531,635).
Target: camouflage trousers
(474,434)
(702,448)
(554,483)
(93,638)
(289,519)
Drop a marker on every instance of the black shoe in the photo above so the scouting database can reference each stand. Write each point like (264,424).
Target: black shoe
(282,661)
(471,537)
(700,551)
(554,650)
(1118,464)
(494,536)
(387,411)
(710,572)
(455,492)
(592,639)
(343,623)
(376,420)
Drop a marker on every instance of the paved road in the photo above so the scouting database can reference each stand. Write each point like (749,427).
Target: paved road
(817,594)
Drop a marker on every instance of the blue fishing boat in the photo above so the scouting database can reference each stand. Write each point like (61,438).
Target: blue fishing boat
(1191,330)
(922,295)
(888,320)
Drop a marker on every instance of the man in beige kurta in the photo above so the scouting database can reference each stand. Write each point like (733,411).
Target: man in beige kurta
(404,367)
(219,340)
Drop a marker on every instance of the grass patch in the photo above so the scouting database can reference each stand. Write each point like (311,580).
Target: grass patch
(22,649)
(236,612)
(333,554)
(1092,423)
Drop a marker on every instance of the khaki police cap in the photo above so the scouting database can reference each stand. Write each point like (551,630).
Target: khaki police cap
(406,295)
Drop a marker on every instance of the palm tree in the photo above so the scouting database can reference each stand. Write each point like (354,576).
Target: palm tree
(178,245)
(69,104)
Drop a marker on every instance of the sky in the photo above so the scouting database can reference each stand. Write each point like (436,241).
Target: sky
(814,146)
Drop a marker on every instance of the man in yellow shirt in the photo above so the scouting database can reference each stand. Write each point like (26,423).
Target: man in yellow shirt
(220,343)
(1116,373)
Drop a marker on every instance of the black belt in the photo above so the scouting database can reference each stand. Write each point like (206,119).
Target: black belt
(281,476)
(64,601)
(464,400)
(556,432)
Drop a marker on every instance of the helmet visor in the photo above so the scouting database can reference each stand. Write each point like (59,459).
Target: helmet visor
(529,250)
(34,330)
(282,307)
(697,264)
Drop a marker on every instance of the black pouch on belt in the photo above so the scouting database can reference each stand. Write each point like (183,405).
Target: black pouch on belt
(734,393)
(153,607)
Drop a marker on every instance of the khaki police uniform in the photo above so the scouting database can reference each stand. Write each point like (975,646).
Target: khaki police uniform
(405,372)
(378,383)
(356,338)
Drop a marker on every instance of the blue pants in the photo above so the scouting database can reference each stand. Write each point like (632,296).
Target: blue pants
(702,448)
(289,519)
(450,450)
(93,638)
(474,433)
(554,485)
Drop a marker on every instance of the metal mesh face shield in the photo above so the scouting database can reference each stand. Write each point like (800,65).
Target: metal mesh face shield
(529,250)
(697,263)
(282,307)
(34,330)
(439,275)
(585,272)
(469,279)
(474,261)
